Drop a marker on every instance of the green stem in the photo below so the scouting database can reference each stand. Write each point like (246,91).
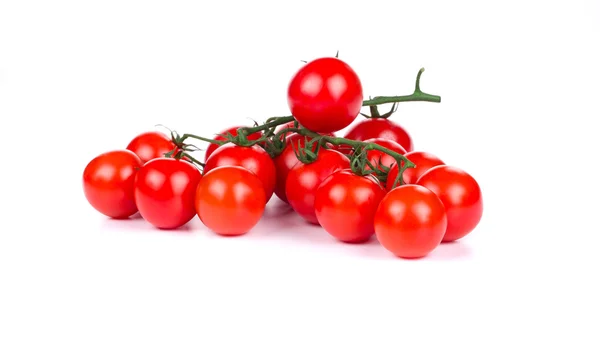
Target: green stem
(417,95)
(184,137)
(273,123)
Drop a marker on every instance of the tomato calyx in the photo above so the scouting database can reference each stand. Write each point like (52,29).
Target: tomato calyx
(362,166)
(374,112)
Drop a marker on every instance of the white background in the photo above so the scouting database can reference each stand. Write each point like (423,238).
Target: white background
(519,82)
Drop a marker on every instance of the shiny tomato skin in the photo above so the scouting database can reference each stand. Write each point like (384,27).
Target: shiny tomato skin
(230,200)
(233,131)
(325,95)
(410,221)
(108,183)
(461,195)
(380,128)
(423,161)
(253,158)
(375,156)
(165,189)
(151,145)
(304,179)
(285,161)
(345,205)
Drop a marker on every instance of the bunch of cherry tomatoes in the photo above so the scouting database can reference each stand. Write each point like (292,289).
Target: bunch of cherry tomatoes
(368,183)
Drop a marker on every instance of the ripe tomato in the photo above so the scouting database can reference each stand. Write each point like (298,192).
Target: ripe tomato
(379,158)
(461,196)
(345,205)
(410,221)
(230,200)
(285,161)
(325,95)
(304,179)
(165,189)
(233,131)
(380,128)
(254,158)
(108,182)
(423,161)
(150,145)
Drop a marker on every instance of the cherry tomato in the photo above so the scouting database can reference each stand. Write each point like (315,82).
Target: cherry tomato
(304,179)
(325,95)
(380,128)
(151,145)
(461,195)
(345,205)
(230,200)
(165,189)
(254,158)
(285,161)
(233,131)
(379,158)
(410,221)
(423,161)
(108,182)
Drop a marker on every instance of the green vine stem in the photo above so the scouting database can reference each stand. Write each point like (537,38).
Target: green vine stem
(417,95)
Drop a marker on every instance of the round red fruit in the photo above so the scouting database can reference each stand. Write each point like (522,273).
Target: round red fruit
(285,161)
(379,158)
(221,137)
(423,161)
(151,145)
(380,128)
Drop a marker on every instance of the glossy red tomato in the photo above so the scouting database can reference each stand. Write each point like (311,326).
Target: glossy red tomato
(410,221)
(325,95)
(233,131)
(230,200)
(304,179)
(285,161)
(423,162)
(165,189)
(108,182)
(379,158)
(254,158)
(461,195)
(151,145)
(345,205)
(380,128)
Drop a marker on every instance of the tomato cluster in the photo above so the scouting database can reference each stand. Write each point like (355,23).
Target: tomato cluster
(371,182)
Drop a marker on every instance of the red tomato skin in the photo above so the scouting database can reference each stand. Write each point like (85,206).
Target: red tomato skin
(423,162)
(253,158)
(151,145)
(410,221)
(461,195)
(381,128)
(304,179)
(325,95)
(374,156)
(233,131)
(165,189)
(345,205)
(230,200)
(108,183)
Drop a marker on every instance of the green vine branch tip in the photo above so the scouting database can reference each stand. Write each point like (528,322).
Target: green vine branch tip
(417,95)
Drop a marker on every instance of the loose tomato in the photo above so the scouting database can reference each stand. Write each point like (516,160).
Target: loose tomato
(165,189)
(380,128)
(325,95)
(410,221)
(151,145)
(461,195)
(423,161)
(379,158)
(345,205)
(254,158)
(233,131)
(304,179)
(230,200)
(108,182)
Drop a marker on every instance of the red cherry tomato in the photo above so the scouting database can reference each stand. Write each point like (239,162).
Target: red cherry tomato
(410,221)
(254,158)
(345,205)
(380,128)
(108,182)
(423,162)
(304,179)
(233,131)
(230,200)
(151,145)
(461,196)
(285,161)
(165,189)
(325,95)
(379,158)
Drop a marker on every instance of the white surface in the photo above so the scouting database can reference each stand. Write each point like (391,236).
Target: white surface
(519,82)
